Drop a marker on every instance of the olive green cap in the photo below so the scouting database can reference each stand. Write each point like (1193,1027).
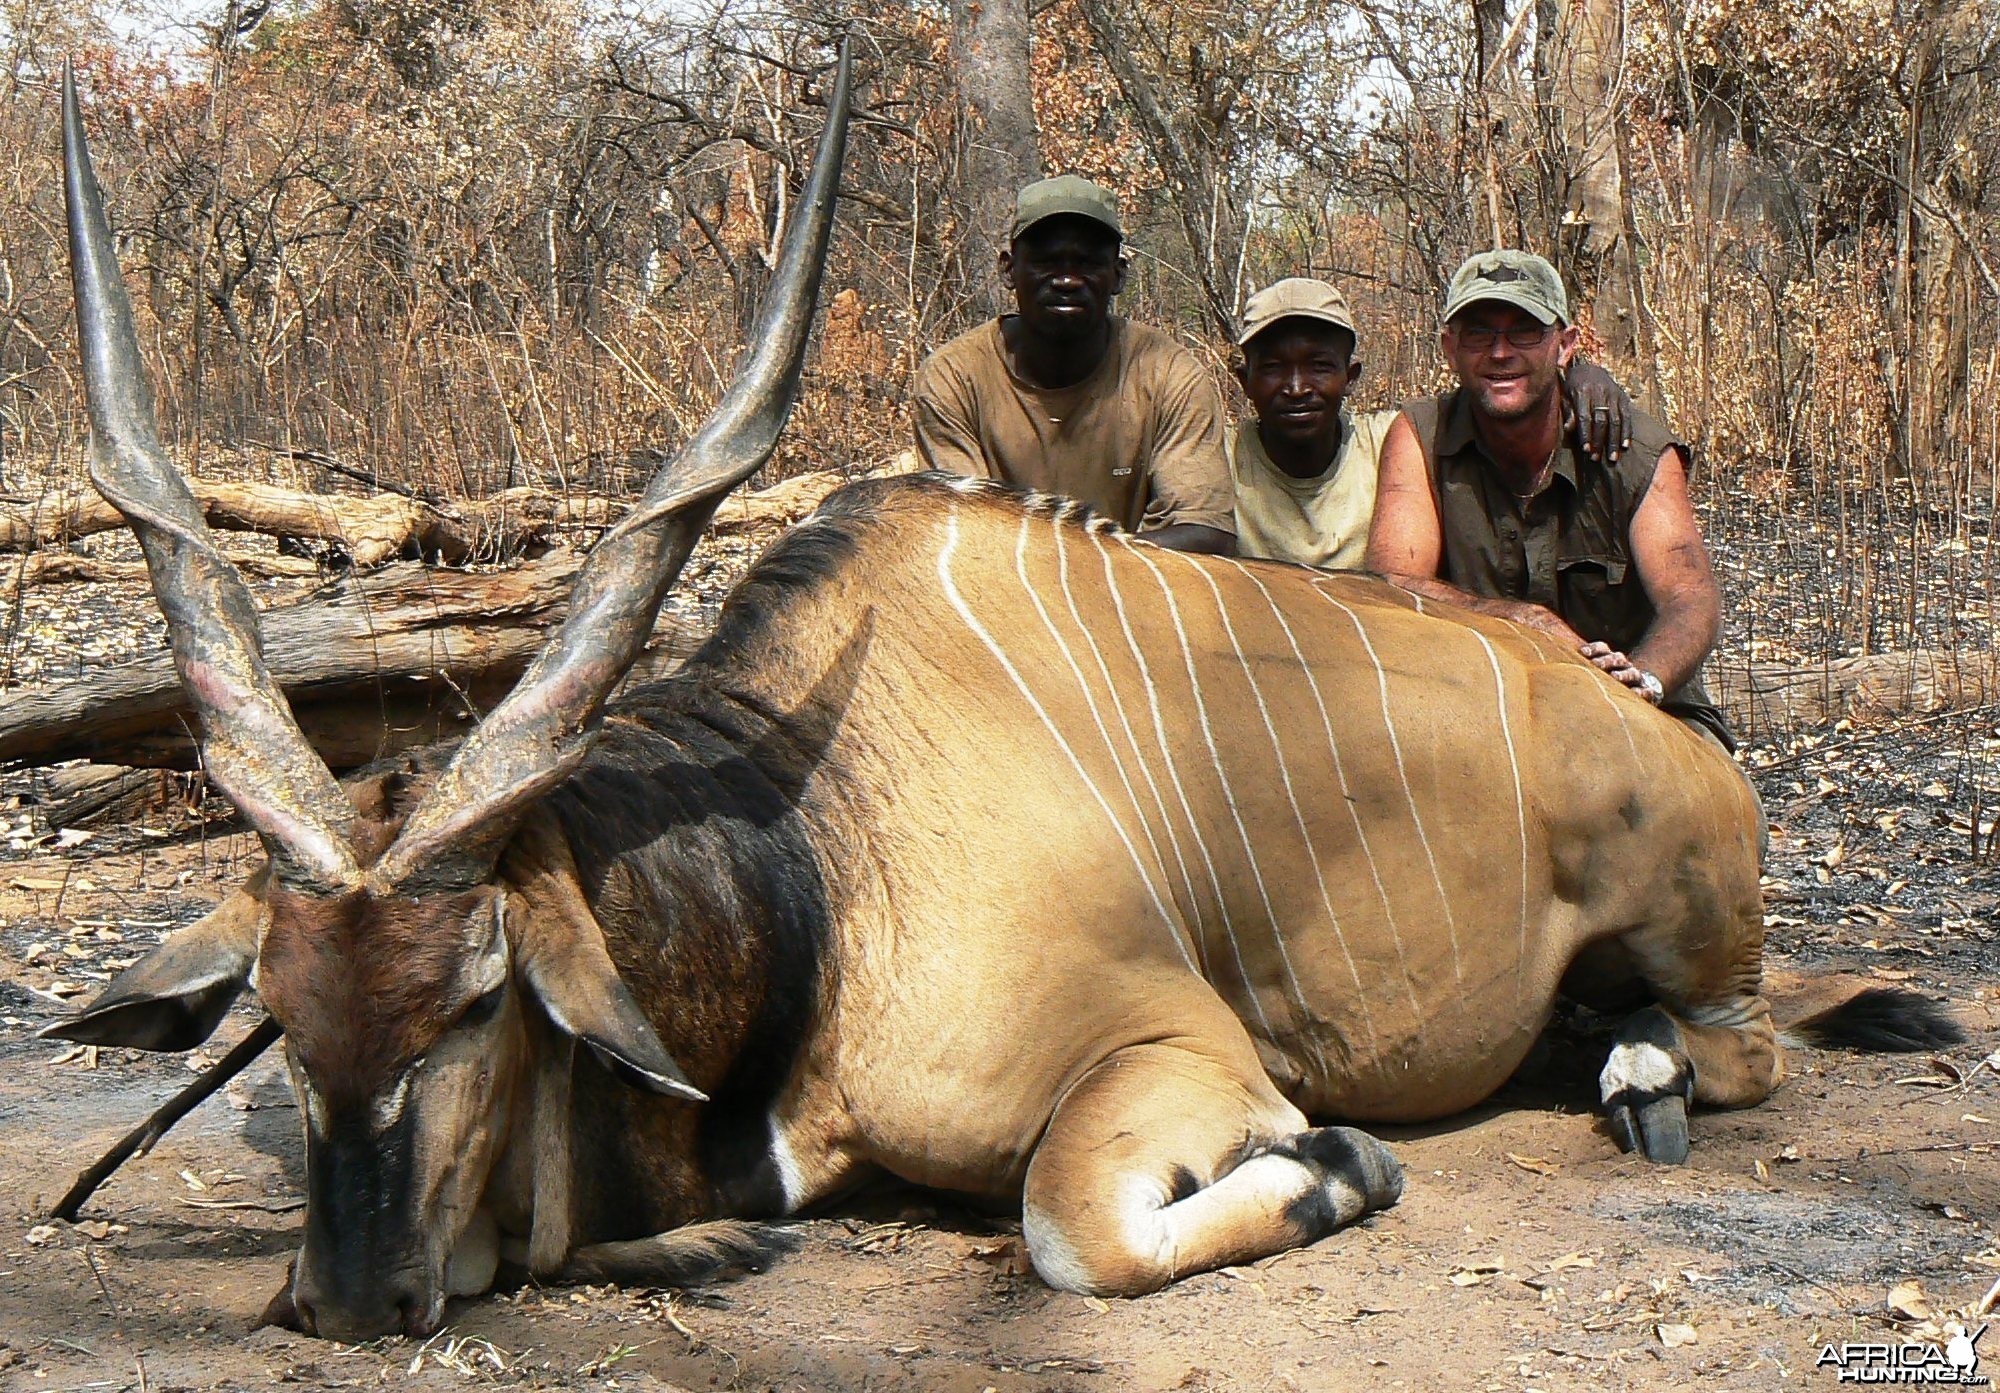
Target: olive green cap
(1066,193)
(1513,278)
(1295,297)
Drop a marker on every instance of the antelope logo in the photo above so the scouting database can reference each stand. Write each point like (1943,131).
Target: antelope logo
(981,844)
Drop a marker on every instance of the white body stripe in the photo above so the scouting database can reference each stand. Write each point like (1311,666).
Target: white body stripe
(1229,797)
(1623,725)
(964,611)
(1077,671)
(1403,776)
(1118,706)
(1347,802)
(1520,804)
(1160,736)
(1298,818)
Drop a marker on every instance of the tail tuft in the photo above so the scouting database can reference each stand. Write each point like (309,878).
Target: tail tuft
(1880,1020)
(685,1257)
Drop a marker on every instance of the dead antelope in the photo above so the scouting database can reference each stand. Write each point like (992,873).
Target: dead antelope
(982,844)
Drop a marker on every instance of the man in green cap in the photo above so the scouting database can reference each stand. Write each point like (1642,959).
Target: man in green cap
(1067,398)
(1305,467)
(1483,502)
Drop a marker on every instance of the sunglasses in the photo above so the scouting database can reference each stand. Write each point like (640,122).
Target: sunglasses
(1480,337)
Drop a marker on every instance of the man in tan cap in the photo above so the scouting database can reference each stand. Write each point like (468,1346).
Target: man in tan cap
(1305,466)
(1066,397)
(1482,500)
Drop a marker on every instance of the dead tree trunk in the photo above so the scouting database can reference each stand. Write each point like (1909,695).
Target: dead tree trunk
(374,664)
(989,42)
(1762,699)
(370,530)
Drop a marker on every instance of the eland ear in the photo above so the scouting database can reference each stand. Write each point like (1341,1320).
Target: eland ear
(578,988)
(175,996)
(560,958)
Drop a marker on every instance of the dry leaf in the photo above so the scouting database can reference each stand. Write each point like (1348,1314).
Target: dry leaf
(1674,1336)
(1567,1261)
(1906,1302)
(1762,1171)
(1098,1304)
(1533,1163)
(1009,1255)
(1474,1274)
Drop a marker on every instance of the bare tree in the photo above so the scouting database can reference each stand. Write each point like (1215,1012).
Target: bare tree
(989,42)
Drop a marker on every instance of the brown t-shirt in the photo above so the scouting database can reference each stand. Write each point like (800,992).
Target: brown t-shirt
(1140,439)
(1568,549)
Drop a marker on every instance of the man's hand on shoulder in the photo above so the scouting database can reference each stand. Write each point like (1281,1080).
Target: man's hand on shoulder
(1602,409)
(1609,660)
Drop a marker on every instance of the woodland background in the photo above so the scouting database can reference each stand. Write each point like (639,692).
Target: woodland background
(451,246)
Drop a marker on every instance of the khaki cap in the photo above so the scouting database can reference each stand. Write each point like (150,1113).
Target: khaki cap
(1295,297)
(1066,193)
(1513,278)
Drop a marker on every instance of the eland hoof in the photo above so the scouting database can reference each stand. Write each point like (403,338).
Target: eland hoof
(1646,1090)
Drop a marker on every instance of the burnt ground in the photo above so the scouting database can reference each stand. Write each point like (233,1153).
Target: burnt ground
(1527,1252)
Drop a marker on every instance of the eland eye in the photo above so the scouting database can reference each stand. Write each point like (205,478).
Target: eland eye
(483,1007)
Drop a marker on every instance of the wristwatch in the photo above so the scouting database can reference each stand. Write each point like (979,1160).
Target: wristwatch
(1650,688)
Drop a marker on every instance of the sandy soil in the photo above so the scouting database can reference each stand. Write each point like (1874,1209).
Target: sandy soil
(1527,1253)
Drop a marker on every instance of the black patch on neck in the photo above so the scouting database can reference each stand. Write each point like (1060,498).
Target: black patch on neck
(692,798)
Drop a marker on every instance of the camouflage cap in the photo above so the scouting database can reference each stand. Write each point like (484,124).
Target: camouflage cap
(1066,193)
(1295,297)
(1512,277)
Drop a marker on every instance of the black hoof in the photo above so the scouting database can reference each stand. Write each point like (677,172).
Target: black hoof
(1656,1128)
(1646,1087)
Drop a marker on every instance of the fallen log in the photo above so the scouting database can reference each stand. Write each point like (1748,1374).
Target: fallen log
(58,567)
(371,530)
(1762,699)
(372,664)
(102,795)
(375,530)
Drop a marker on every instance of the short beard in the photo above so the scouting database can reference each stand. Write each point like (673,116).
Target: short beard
(1528,408)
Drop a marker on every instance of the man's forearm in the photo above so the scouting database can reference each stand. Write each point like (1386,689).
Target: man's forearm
(1192,536)
(1680,637)
(1515,611)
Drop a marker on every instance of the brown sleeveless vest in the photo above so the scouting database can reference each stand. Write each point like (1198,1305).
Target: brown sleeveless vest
(1568,549)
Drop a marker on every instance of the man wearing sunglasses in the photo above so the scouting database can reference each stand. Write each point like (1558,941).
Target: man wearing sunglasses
(1066,397)
(1483,501)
